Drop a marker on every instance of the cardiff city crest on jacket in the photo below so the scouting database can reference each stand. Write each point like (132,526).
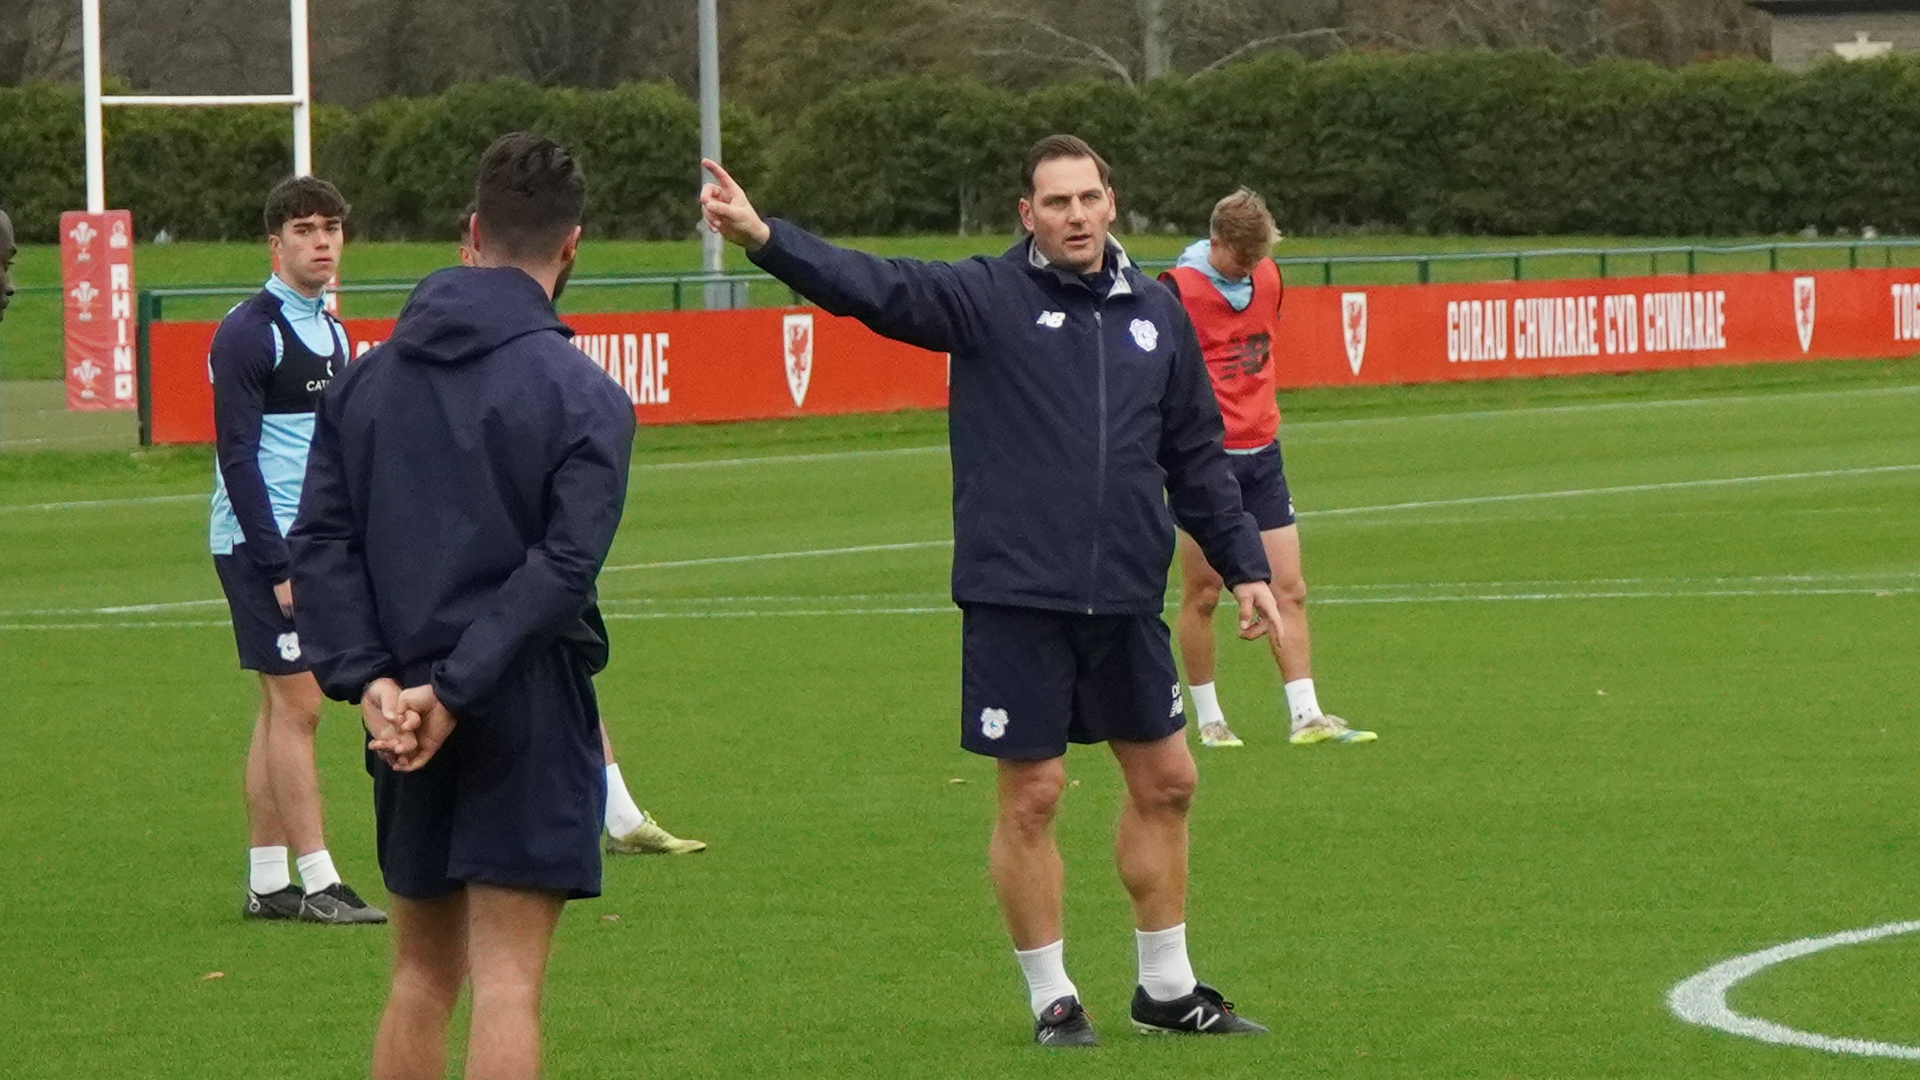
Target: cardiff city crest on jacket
(1803,311)
(1353,327)
(796,346)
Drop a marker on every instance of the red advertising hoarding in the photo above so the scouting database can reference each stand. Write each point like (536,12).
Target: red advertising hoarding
(96,277)
(677,367)
(1435,333)
(690,367)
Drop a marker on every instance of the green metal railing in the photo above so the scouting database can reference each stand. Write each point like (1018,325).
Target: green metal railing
(676,291)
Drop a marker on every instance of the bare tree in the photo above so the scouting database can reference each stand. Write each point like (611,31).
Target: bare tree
(33,39)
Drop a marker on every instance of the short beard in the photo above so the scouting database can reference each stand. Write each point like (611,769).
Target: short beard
(560,282)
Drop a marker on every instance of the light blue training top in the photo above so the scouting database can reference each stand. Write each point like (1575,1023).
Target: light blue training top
(284,437)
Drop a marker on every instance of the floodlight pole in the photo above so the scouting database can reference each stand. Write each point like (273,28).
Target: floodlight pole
(718,294)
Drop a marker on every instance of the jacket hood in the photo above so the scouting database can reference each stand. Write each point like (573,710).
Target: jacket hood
(465,312)
(1238,294)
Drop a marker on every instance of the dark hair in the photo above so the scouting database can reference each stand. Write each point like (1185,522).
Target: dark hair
(530,194)
(297,197)
(1054,147)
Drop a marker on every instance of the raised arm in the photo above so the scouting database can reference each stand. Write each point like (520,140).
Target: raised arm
(240,363)
(340,632)
(921,303)
(554,585)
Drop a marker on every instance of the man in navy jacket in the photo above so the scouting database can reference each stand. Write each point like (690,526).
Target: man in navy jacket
(465,484)
(1082,425)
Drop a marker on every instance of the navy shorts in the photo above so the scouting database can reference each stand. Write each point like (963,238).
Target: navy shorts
(267,641)
(1032,681)
(1263,486)
(515,798)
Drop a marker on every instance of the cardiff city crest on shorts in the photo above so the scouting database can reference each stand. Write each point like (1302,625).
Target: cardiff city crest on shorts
(796,347)
(1353,327)
(1803,298)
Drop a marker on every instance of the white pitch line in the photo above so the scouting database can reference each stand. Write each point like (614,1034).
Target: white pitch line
(770,613)
(783,459)
(1474,414)
(806,553)
(1644,594)
(92,504)
(1619,489)
(1606,406)
(1702,999)
(1470,500)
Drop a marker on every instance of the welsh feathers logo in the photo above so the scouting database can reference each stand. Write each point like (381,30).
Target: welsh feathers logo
(84,294)
(83,235)
(88,373)
(1803,298)
(1353,327)
(796,337)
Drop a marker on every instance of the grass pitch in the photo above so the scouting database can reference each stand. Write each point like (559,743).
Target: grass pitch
(1640,651)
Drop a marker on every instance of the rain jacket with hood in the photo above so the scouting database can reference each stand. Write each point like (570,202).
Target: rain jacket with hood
(1081,420)
(464,486)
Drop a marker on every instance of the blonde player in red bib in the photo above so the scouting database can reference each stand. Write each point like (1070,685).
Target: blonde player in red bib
(1231,289)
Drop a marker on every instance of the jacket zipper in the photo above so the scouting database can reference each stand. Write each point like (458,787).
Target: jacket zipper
(1100,475)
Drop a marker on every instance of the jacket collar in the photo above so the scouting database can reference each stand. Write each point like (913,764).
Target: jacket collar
(1117,261)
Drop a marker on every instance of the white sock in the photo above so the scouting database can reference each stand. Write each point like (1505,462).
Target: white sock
(267,870)
(316,871)
(1206,704)
(1301,701)
(1165,971)
(623,816)
(1046,972)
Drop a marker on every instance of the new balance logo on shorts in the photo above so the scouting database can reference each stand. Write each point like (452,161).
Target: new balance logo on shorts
(289,645)
(993,722)
(1177,703)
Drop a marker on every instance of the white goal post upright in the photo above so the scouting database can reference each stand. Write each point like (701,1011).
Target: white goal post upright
(300,99)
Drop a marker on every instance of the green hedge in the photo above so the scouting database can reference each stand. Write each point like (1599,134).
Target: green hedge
(1492,143)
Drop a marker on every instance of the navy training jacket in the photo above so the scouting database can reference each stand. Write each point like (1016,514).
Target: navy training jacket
(1082,426)
(465,483)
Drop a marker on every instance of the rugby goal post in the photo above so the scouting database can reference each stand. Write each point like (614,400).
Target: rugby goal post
(299,99)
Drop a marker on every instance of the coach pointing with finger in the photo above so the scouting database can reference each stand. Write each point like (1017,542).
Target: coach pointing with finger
(1083,426)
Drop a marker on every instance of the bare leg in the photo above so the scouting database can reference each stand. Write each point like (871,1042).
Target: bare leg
(1295,653)
(263,814)
(1150,845)
(429,966)
(606,746)
(1199,594)
(1027,874)
(293,717)
(510,932)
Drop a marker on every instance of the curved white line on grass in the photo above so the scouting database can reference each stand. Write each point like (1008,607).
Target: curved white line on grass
(1702,999)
